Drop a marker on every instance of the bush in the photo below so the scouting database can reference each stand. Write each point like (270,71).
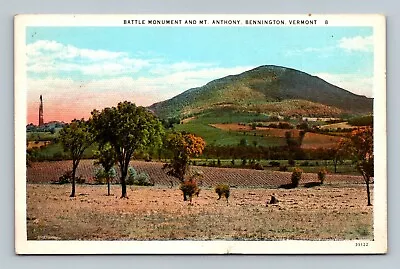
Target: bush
(292,162)
(67,178)
(139,179)
(101,175)
(80,180)
(143,179)
(222,189)
(257,166)
(189,188)
(274,163)
(285,125)
(321,175)
(283,168)
(296,176)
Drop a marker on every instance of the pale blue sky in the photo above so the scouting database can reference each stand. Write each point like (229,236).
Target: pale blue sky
(151,64)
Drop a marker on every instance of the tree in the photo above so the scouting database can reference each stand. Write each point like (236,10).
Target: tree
(294,144)
(75,138)
(106,157)
(184,146)
(337,152)
(361,147)
(127,128)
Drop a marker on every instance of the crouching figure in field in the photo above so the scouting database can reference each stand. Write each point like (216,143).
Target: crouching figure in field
(273,200)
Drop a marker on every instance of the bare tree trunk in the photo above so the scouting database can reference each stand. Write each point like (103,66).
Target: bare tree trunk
(368,192)
(73,180)
(123,183)
(335,163)
(108,185)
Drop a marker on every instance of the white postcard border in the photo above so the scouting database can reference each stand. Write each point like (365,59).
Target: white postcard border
(378,245)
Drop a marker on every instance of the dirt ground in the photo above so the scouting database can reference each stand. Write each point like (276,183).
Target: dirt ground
(159,213)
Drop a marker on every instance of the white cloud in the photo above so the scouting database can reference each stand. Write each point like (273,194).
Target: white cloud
(51,57)
(356,43)
(350,44)
(165,68)
(358,84)
(321,52)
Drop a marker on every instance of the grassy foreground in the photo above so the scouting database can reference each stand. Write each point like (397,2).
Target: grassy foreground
(322,213)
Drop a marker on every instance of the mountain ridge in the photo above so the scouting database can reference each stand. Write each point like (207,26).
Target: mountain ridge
(267,89)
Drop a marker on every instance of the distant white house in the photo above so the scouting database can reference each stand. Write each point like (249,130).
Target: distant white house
(318,119)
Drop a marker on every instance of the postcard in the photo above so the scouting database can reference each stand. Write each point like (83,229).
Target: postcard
(200,134)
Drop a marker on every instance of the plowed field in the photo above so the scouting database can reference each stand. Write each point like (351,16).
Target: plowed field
(46,172)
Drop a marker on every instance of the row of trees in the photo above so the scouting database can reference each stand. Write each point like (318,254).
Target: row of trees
(120,132)
(125,129)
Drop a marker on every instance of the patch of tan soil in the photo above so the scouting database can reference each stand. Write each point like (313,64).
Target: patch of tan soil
(154,213)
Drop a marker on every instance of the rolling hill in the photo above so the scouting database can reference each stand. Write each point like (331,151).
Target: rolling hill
(268,89)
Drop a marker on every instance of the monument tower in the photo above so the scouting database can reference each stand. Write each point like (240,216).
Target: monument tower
(41,112)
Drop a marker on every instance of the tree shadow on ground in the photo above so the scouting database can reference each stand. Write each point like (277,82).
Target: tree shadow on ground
(288,186)
(312,184)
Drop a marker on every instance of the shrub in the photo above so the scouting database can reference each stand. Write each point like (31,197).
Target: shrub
(64,178)
(257,166)
(131,176)
(80,180)
(321,175)
(67,178)
(283,168)
(296,176)
(222,189)
(139,179)
(292,162)
(143,179)
(285,125)
(274,163)
(101,175)
(189,188)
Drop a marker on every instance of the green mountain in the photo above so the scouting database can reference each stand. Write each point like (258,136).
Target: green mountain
(268,89)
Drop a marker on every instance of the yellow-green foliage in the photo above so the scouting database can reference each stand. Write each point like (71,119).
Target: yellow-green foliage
(189,188)
(222,189)
(321,175)
(296,176)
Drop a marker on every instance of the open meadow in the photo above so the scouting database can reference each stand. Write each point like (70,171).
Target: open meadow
(159,213)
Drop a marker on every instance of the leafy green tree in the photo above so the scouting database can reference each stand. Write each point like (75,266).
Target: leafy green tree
(106,157)
(75,138)
(127,128)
